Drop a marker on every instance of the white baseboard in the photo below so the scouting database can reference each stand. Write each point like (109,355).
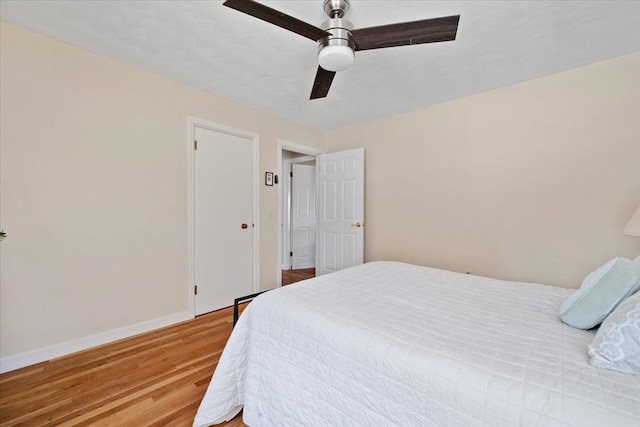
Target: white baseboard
(18,361)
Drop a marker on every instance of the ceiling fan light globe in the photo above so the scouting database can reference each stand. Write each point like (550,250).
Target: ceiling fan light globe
(336,58)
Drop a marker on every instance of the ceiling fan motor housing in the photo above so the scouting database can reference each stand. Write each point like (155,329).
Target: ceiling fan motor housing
(336,52)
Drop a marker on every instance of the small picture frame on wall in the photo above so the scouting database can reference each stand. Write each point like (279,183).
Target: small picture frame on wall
(268,179)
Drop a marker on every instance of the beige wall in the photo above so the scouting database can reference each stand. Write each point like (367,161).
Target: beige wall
(94,190)
(531,182)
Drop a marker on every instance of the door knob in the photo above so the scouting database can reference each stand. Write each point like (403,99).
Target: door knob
(244,225)
(357,225)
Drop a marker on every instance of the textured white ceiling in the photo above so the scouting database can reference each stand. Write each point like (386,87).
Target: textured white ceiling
(230,54)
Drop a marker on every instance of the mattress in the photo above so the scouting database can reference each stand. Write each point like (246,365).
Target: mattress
(390,344)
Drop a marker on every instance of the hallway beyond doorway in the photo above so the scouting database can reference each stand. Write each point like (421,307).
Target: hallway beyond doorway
(292,276)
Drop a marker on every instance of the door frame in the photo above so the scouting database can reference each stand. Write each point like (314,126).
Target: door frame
(298,148)
(192,124)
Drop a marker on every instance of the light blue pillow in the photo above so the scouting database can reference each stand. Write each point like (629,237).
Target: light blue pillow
(616,346)
(601,291)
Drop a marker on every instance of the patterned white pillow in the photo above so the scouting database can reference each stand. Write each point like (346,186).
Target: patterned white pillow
(616,345)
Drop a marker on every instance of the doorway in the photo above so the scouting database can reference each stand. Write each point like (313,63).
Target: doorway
(299,233)
(296,239)
(340,208)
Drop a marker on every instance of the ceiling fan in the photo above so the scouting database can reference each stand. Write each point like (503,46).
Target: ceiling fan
(337,40)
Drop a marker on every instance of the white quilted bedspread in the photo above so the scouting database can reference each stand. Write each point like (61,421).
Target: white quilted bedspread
(392,344)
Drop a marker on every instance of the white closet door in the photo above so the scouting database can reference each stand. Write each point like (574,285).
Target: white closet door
(224,230)
(303,216)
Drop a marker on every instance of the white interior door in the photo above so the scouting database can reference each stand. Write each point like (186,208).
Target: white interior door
(303,216)
(223,212)
(340,222)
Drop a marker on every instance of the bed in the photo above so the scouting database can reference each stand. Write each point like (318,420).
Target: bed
(394,344)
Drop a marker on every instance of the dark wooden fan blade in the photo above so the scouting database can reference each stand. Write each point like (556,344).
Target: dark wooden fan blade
(322,83)
(275,17)
(406,33)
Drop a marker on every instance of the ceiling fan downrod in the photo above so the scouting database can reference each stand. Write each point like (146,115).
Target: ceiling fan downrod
(336,8)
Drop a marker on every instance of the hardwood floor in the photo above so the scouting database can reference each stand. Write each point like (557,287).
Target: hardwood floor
(153,379)
(292,276)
